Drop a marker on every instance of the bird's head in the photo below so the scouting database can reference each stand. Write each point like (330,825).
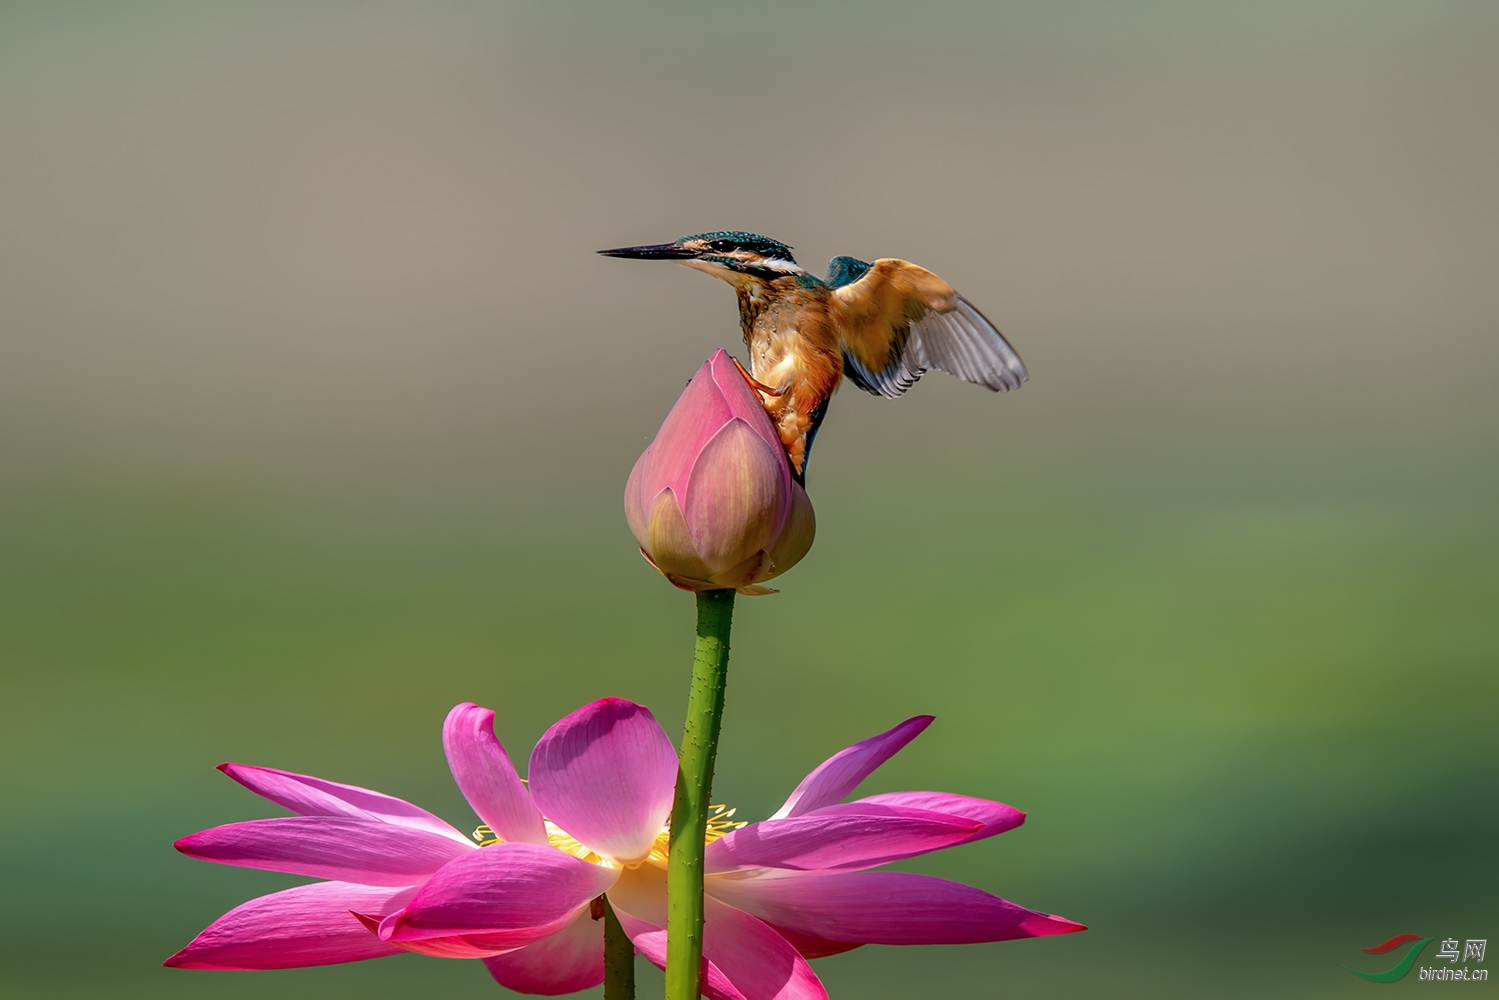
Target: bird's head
(734,257)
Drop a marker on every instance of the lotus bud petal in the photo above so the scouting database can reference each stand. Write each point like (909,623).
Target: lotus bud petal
(712,501)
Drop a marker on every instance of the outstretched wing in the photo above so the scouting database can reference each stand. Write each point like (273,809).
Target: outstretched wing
(901,320)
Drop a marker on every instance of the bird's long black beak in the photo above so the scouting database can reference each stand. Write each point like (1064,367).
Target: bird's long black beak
(659,251)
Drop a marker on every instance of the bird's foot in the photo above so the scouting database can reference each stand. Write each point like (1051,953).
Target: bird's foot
(756,384)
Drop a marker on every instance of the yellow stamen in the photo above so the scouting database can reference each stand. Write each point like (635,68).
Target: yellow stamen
(720,822)
(564,841)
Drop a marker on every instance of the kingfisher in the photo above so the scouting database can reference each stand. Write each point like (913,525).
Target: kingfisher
(881,324)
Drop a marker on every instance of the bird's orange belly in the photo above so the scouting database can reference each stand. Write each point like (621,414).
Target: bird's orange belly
(804,376)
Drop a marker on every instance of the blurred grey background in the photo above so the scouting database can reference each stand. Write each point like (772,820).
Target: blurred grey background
(316,408)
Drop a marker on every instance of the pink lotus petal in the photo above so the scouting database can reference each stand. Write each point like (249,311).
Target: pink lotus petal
(605,774)
(838,838)
(996,817)
(486,777)
(668,542)
(887,908)
(743,958)
(510,894)
(757,960)
(746,406)
(695,418)
(796,536)
(710,498)
(455,946)
(331,847)
(841,773)
(733,502)
(570,960)
(742,401)
(307,925)
(637,504)
(308,796)
(810,947)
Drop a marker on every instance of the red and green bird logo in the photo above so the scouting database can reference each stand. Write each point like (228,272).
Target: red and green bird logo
(1401,967)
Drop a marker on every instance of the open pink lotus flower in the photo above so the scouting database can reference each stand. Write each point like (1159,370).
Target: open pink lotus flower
(593,821)
(711,501)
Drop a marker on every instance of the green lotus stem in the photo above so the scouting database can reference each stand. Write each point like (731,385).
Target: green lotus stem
(619,958)
(689,810)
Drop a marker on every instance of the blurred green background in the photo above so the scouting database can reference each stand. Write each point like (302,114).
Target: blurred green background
(316,408)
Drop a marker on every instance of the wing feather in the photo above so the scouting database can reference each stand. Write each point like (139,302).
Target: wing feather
(901,320)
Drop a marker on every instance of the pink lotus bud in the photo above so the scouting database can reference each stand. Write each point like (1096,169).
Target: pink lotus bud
(712,501)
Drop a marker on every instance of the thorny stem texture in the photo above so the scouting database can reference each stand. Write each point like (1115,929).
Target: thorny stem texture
(619,957)
(689,810)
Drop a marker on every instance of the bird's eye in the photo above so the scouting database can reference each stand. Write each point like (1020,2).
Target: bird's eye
(722,246)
